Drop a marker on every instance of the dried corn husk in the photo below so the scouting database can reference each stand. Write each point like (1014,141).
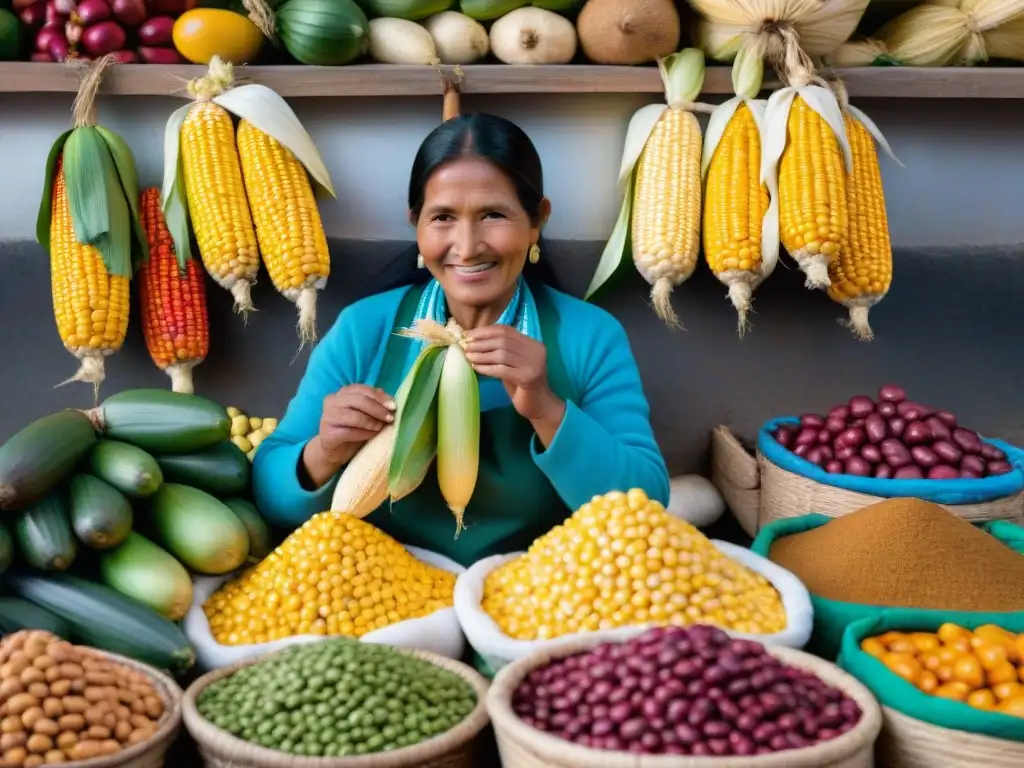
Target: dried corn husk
(821,25)
(956,33)
(866,52)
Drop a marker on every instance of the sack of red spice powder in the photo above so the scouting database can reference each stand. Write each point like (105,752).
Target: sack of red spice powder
(832,617)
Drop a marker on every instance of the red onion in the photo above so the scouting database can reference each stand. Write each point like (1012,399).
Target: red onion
(156,55)
(46,36)
(892,393)
(92,12)
(157,31)
(812,420)
(33,16)
(103,38)
(131,13)
(861,406)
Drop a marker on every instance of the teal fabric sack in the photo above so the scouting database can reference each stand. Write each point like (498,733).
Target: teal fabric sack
(895,692)
(832,617)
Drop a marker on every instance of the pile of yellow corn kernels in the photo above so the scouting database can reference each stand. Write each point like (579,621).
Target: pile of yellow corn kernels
(623,560)
(336,575)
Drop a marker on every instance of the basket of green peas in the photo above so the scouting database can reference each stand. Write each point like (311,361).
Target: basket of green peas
(338,703)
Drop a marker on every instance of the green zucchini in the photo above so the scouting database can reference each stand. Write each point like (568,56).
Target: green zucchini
(103,618)
(129,469)
(6,549)
(39,457)
(100,514)
(202,532)
(140,569)
(260,541)
(161,421)
(222,470)
(44,535)
(17,614)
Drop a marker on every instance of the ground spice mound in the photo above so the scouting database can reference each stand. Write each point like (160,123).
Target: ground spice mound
(908,553)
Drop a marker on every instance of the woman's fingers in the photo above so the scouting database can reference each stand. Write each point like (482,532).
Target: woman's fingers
(500,372)
(371,402)
(500,356)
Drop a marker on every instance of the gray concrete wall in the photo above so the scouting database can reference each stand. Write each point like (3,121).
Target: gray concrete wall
(949,331)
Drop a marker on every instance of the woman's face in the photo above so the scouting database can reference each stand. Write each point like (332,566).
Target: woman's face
(473,232)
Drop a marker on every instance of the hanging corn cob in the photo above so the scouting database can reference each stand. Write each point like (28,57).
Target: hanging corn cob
(660,181)
(212,180)
(172,296)
(88,221)
(438,416)
(861,276)
(740,244)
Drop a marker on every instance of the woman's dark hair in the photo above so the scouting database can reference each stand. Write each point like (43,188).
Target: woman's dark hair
(492,138)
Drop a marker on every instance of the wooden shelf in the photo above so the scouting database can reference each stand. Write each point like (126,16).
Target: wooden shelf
(393,80)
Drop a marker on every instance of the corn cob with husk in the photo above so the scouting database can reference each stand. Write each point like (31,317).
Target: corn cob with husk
(88,221)
(862,274)
(438,416)
(741,245)
(256,191)
(661,185)
(172,296)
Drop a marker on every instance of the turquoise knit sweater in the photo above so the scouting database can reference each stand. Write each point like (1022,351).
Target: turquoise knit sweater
(605,442)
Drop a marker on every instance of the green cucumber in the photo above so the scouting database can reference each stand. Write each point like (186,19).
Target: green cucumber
(17,614)
(103,618)
(161,421)
(39,457)
(260,541)
(6,548)
(202,532)
(100,514)
(140,569)
(44,535)
(223,470)
(129,469)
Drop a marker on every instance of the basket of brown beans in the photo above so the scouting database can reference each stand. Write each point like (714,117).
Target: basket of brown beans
(76,706)
(681,691)
(868,449)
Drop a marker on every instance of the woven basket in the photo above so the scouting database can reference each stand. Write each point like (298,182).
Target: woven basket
(735,473)
(906,742)
(524,747)
(152,753)
(453,749)
(784,494)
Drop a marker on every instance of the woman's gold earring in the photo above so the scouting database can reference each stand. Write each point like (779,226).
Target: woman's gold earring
(534,253)
(420,264)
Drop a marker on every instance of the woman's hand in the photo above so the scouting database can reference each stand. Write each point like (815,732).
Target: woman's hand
(520,363)
(350,417)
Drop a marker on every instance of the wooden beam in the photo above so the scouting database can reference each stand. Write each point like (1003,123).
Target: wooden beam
(395,80)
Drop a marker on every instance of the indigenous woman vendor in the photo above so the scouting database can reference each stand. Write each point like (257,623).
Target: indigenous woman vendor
(564,417)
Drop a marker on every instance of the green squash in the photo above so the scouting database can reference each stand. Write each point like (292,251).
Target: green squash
(326,33)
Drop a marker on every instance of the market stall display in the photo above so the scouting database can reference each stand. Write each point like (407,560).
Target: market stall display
(619,563)
(172,297)
(339,699)
(899,552)
(680,691)
(950,685)
(659,180)
(334,576)
(65,703)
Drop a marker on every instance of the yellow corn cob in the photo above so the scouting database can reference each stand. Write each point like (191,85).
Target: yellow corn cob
(666,207)
(863,272)
(291,235)
(812,194)
(90,305)
(363,485)
(735,202)
(217,203)
(458,432)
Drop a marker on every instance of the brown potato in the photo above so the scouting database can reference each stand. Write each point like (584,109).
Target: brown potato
(75,704)
(11,724)
(53,674)
(15,756)
(12,740)
(12,686)
(15,665)
(67,740)
(36,647)
(100,678)
(32,715)
(126,695)
(47,727)
(70,670)
(95,693)
(98,732)
(109,747)
(43,662)
(78,685)
(94,716)
(138,707)
(39,690)
(39,743)
(61,652)
(31,675)
(60,688)
(34,761)
(74,723)
(53,708)
(85,750)
(122,731)
(109,720)
(141,721)
(54,756)
(154,706)
(122,712)
(140,735)
(16,705)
